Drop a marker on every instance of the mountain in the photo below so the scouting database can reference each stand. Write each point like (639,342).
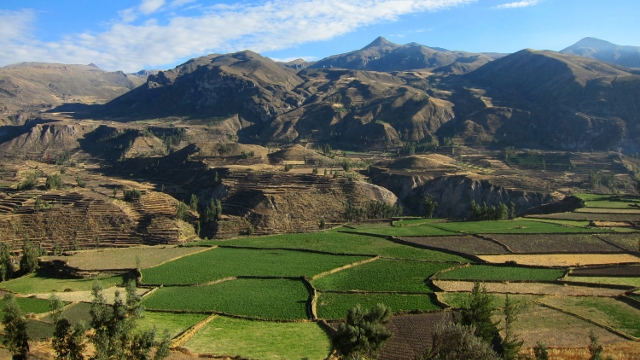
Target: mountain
(243,83)
(297,64)
(26,87)
(543,98)
(602,50)
(383,55)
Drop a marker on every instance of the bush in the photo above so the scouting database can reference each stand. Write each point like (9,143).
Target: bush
(181,211)
(30,181)
(131,195)
(364,332)
(81,183)
(54,181)
(288,167)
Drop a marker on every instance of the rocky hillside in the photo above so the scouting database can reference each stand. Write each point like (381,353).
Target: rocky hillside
(26,87)
(542,98)
(383,55)
(602,50)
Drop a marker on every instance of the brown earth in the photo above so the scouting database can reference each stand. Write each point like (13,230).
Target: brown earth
(465,244)
(555,243)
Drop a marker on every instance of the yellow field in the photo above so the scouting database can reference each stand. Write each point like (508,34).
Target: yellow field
(561,259)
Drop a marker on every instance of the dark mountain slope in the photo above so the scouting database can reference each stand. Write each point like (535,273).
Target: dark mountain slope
(242,83)
(383,55)
(602,50)
(534,98)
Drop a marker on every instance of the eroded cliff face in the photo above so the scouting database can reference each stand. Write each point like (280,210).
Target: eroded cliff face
(454,193)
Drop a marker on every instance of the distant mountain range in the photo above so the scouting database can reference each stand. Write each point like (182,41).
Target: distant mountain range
(384,95)
(628,56)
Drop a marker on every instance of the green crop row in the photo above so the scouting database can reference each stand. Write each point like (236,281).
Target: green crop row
(336,306)
(339,241)
(383,275)
(222,263)
(501,273)
(264,298)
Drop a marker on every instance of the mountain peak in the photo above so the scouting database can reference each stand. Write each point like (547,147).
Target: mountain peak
(379,42)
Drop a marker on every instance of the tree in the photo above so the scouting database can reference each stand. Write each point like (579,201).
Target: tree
(477,313)
(193,203)
(512,210)
(364,332)
(595,348)
(455,341)
(54,181)
(508,151)
(540,351)
(429,204)
(511,345)
(130,195)
(68,341)
(29,259)
(6,264)
(15,329)
(181,210)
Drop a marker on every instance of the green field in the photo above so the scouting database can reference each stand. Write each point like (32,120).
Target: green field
(336,306)
(38,284)
(606,311)
(417,230)
(500,273)
(459,300)
(413,222)
(593,197)
(75,313)
(263,298)
(517,226)
(38,330)
(383,275)
(175,323)
(221,263)
(338,241)
(609,204)
(28,305)
(261,340)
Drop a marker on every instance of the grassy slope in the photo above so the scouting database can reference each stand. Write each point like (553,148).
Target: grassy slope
(486,272)
(261,340)
(344,242)
(175,323)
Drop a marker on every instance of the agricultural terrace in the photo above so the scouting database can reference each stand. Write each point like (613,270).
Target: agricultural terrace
(125,258)
(29,306)
(383,275)
(532,288)
(175,323)
(220,263)
(43,283)
(604,311)
(275,299)
(341,242)
(336,305)
(564,260)
(471,245)
(500,273)
(555,243)
(261,339)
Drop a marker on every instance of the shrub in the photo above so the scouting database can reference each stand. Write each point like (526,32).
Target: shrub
(81,183)
(181,211)
(30,181)
(364,332)
(288,167)
(131,195)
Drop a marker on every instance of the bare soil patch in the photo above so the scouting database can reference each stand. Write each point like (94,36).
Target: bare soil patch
(86,296)
(561,259)
(555,243)
(588,217)
(610,271)
(124,258)
(608,211)
(528,288)
(412,334)
(627,241)
(464,244)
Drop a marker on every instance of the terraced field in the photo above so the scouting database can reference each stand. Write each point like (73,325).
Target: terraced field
(269,291)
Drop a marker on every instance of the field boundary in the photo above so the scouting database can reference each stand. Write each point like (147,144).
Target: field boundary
(606,327)
(485,237)
(187,334)
(313,298)
(637,253)
(401,241)
(180,257)
(629,301)
(293,249)
(431,278)
(348,266)
(365,292)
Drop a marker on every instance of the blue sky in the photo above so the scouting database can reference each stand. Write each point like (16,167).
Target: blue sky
(159,34)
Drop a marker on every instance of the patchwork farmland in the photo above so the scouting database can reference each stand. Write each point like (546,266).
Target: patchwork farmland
(251,296)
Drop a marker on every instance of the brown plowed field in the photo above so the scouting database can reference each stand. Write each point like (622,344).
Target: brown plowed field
(626,241)
(528,288)
(464,244)
(561,259)
(609,271)
(555,243)
(412,334)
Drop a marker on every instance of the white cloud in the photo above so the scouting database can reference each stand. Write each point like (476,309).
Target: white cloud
(150,6)
(518,4)
(265,26)
(15,25)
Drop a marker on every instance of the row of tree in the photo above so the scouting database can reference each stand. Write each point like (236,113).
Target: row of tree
(112,331)
(370,210)
(28,262)
(499,212)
